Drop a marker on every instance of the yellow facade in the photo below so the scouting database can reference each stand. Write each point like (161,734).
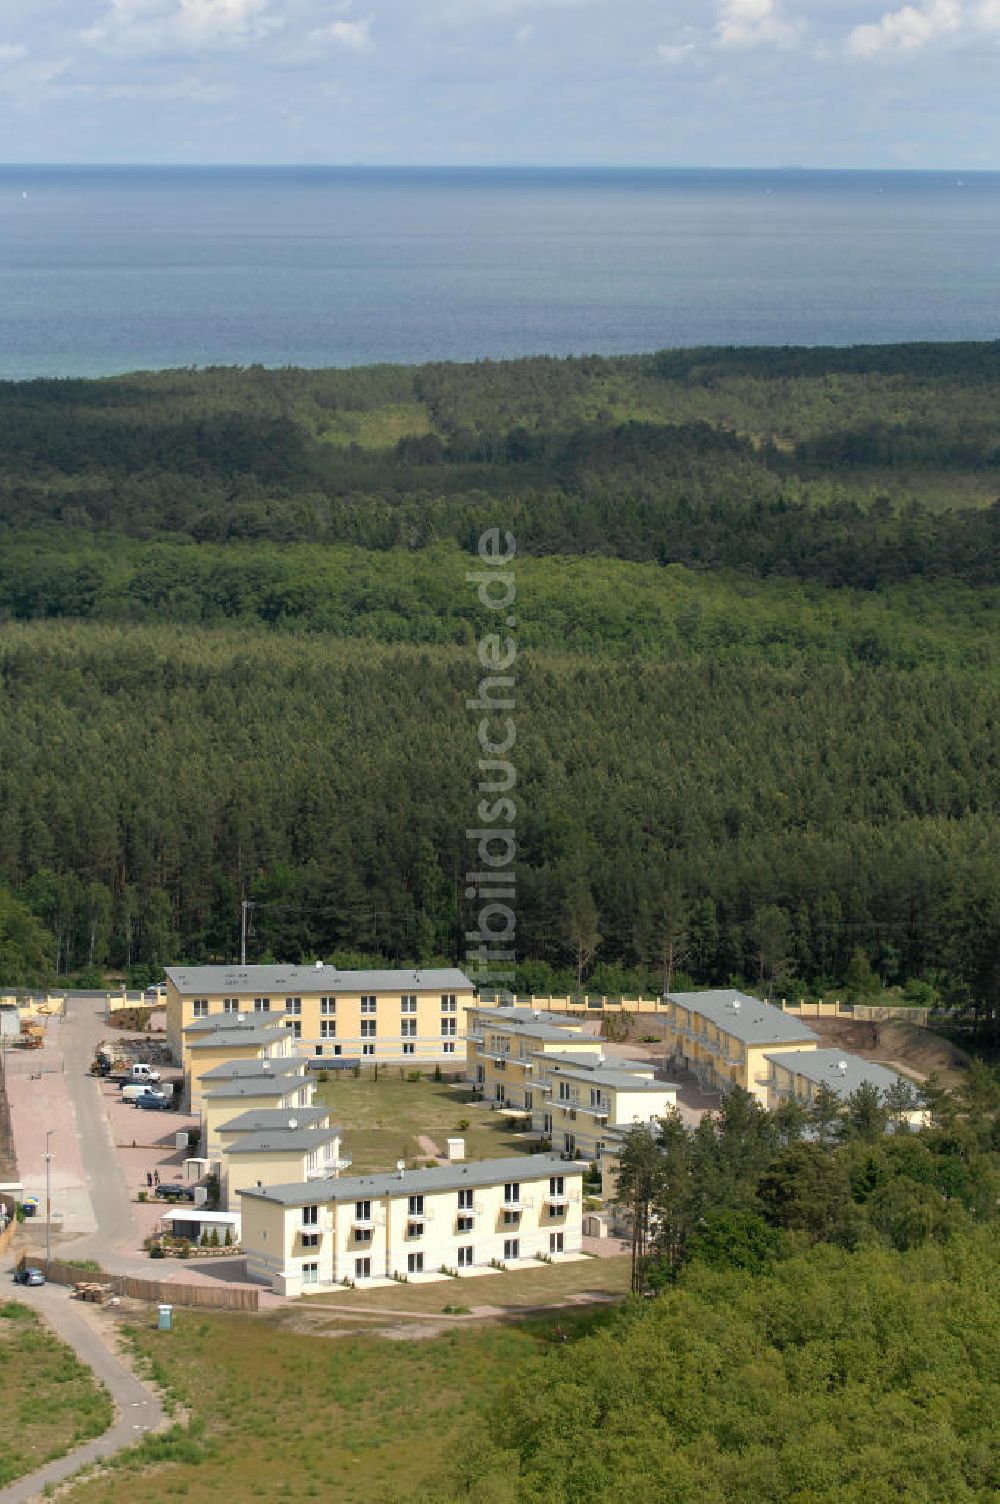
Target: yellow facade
(278,1165)
(228,1100)
(373,1228)
(208,1051)
(501,1051)
(586,1111)
(392,1016)
(725,1036)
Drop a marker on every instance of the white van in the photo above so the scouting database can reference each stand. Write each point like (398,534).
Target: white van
(142,1072)
(134,1091)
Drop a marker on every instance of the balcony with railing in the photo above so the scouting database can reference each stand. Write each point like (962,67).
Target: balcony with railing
(330,1167)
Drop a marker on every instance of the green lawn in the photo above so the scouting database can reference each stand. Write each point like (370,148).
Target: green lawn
(49,1402)
(592,1280)
(383,1119)
(276,1415)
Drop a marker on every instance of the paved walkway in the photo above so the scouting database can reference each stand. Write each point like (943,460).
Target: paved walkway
(137,1408)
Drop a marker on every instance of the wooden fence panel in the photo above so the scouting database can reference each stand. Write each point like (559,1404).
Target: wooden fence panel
(156,1292)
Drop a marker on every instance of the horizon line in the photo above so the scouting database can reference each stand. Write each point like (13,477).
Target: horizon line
(789,169)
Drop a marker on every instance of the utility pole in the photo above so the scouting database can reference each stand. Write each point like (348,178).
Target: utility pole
(48,1195)
(245,908)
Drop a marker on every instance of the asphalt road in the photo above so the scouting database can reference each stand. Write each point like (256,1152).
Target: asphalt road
(137,1408)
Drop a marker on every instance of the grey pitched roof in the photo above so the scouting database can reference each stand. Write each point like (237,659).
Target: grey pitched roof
(533,1025)
(267,981)
(842,1073)
(571,1059)
(256,1086)
(260,1119)
(619,1080)
(524,1168)
(280,1065)
(284,1140)
(745,1018)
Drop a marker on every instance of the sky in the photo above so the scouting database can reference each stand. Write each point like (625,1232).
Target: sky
(739,83)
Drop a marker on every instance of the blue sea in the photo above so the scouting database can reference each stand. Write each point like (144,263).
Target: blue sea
(105,270)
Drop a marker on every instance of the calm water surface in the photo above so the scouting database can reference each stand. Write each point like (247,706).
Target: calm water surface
(105,270)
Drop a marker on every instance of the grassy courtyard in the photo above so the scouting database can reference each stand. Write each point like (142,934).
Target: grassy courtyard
(48,1400)
(275,1415)
(385,1119)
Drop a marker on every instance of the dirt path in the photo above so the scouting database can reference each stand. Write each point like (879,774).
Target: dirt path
(429,1147)
(137,1408)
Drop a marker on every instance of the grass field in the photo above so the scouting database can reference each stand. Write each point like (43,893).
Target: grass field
(48,1401)
(383,1120)
(589,1279)
(280,1416)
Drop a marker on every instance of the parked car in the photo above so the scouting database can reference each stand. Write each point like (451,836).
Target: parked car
(134,1091)
(173,1190)
(29,1275)
(155,1101)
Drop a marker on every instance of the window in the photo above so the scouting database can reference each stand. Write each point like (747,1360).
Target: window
(310,1216)
(362,1235)
(480,1074)
(511,1248)
(199,1007)
(409,1049)
(449,1003)
(529,1101)
(328,1028)
(336,1049)
(564,1091)
(414,1229)
(464,1224)
(569,1143)
(328,1005)
(547,1124)
(596,1100)
(557,1185)
(465,1200)
(448,1048)
(408,1028)
(310,1274)
(414,1263)
(362,1268)
(230,1005)
(556,1242)
(293,1005)
(499,1091)
(367,1049)
(310,1240)
(415,1206)
(317,1049)
(294,1025)
(512,1192)
(511,1218)
(262,1005)
(465,1258)
(449,1026)
(408,1004)
(369,1028)
(362,1211)
(369,1004)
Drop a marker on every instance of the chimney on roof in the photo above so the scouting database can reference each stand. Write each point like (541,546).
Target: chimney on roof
(400,1168)
(293,1122)
(319,965)
(842,1067)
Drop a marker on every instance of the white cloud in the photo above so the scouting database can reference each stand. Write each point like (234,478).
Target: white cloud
(907,30)
(151,26)
(11,51)
(674,52)
(988,15)
(754,23)
(524,34)
(354,36)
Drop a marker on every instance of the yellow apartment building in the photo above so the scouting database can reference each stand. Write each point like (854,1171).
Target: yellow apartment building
(228,1099)
(586,1106)
(367,1229)
(269,1120)
(280,1156)
(501,1050)
(211,1043)
(266,1068)
(402,1015)
(725,1037)
(800,1074)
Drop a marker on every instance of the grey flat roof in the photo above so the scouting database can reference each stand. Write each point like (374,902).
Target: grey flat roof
(826,1066)
(260,1119)
(535,1028)
(281,1065)
(619,1079)
(277,1140)
(263,981)
(256,1086)
(592,1063)
(523,1016)
(523,1167)
(752,1021)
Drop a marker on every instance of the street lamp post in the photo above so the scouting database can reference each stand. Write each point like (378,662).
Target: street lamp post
(48,1195)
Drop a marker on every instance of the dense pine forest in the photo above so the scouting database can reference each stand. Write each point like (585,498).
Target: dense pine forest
(756,687)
